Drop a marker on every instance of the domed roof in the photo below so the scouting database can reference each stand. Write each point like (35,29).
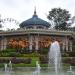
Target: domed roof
(34,21)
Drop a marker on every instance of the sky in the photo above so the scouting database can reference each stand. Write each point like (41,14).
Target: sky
(22,10)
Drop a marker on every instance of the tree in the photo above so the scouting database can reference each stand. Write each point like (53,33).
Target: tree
(73,28)
(60,18)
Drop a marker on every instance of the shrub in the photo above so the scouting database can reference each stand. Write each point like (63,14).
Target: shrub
(71,54)
(65,55)
(44,51)
(43,59)
(72,62)
(23,65)
(8,50)
(15,60)
(4,60)
(65,66)
(21,60)
(66,60)
(31,55)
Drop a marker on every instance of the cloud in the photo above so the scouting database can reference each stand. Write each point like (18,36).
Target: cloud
(23,9)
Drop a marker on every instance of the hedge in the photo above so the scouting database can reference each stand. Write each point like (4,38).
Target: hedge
(16,60)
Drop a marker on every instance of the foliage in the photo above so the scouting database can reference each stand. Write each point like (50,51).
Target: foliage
(73,46)
(66,66)
(14,53)
(65,54)
(4,60)
(73,28)
(16,60)
(1,65)
(68,54)
(66,60)
(29,59)
(8,50)
(34,59)
(72,62)
(44,65)
(43,59)
(23,65)
(71,54)
(69,60)
(60,18)
(44,51)
(32,64)
(21,60)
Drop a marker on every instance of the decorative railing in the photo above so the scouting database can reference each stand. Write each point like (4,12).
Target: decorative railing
(37,31)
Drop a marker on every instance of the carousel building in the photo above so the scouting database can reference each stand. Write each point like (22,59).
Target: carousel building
(34,34)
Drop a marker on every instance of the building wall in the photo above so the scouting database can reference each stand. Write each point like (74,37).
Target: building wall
(34,42)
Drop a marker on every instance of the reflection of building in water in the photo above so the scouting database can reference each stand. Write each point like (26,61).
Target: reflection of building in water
(34,34)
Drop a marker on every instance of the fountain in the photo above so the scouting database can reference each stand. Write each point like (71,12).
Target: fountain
(54,65)
(55,58)
(37,71)
(5,68)
(8,68)
(70,68)
(70,71)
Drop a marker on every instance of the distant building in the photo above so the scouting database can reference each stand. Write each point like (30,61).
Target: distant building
(34,34)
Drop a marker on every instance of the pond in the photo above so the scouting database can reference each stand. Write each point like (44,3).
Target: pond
(32,71)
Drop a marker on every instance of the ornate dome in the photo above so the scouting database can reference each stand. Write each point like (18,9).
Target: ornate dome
(34,21)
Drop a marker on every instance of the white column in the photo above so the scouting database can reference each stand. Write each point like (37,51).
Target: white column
(71,46)
(36,41)
(30,42)
(66,44)
(63,46)
(5,43)
(2,44)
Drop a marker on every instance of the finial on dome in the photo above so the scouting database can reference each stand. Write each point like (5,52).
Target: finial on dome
(35,15)
(35,11)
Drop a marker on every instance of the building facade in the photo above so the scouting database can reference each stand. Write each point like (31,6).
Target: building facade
(34,34)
